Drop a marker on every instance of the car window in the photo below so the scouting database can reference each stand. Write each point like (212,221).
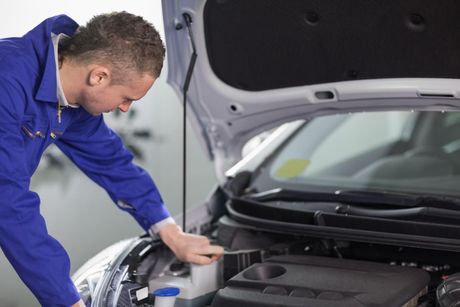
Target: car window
(451,126)
(398,150)
(451,119)
(351,139)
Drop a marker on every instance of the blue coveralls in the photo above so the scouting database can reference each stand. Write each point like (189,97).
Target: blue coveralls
(28,125)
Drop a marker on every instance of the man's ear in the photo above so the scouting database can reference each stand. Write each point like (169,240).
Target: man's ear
(99,75)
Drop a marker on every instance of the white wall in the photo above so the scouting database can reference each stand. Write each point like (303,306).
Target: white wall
(78,213)
(19,16)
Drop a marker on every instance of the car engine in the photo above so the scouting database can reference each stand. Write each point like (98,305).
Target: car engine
(264,267)
(273,269)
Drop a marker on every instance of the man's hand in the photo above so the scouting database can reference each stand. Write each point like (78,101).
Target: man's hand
(189,247)
(79,304)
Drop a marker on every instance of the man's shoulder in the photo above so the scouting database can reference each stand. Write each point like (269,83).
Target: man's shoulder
(17,59)
(13,46)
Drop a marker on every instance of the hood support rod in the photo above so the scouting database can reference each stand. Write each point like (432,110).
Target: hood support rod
(188,78)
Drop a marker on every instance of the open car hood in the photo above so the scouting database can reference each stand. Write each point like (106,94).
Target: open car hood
(261,63)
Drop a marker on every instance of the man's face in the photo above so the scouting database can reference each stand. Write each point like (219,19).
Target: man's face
(103,99)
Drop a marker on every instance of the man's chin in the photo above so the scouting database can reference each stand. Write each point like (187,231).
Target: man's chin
(94,113)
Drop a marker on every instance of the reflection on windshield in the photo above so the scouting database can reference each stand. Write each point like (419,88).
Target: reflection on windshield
(398,150)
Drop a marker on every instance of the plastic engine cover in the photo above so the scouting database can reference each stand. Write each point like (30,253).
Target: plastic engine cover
(322,282)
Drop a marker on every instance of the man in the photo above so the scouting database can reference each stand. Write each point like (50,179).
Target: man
(55,82)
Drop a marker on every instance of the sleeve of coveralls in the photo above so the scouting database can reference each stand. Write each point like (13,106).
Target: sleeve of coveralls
(40,261)
(101,155)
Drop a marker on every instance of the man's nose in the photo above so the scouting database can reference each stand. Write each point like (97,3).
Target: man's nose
(124,107)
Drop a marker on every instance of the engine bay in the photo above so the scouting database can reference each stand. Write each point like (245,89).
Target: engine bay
(266,266)
(261,268)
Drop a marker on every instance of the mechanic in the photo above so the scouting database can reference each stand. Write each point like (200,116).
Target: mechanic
(55,83)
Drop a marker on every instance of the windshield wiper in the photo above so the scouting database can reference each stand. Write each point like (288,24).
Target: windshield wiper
(406,199)
(399,213)
(363,197)
(348,197)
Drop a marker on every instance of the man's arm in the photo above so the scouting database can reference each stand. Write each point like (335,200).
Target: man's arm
(101,155)
(99,152)
(40,261)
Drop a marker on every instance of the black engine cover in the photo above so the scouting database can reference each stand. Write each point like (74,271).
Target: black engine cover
(322,282)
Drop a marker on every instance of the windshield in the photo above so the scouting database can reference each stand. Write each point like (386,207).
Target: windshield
(401,151)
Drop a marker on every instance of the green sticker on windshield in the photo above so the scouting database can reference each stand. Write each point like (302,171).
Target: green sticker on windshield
(292,168)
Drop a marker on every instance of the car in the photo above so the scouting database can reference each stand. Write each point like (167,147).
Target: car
(334,128)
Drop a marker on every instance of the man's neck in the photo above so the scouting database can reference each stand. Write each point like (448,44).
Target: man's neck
(71,76)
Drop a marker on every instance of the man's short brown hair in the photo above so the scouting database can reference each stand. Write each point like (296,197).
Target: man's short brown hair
(122,40)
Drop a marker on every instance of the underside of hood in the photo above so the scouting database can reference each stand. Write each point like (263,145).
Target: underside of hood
(262,45)
(264,62)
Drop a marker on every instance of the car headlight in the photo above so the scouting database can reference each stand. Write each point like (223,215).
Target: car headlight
(88,276)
